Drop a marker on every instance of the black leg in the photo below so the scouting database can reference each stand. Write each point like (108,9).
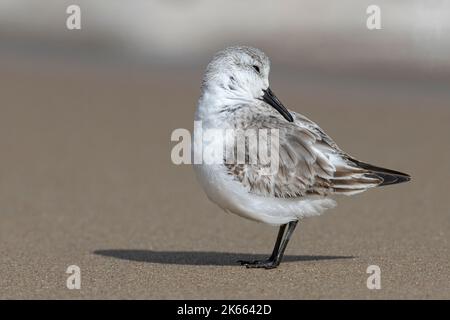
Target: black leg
(278,250)
(278,242)
(284,243)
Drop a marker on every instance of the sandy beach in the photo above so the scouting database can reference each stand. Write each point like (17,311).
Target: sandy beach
(86,179)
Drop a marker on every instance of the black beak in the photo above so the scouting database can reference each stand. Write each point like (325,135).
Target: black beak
(270,98)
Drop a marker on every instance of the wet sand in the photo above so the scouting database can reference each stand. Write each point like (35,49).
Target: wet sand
(86,179)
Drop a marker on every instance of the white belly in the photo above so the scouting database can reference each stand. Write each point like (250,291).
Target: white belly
(231,196)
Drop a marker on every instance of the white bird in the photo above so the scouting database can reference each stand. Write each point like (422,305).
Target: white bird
(311,167)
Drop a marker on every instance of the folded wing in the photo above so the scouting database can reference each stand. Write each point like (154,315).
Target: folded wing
(310,163)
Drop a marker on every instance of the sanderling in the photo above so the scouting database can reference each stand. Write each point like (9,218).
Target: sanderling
(311,169)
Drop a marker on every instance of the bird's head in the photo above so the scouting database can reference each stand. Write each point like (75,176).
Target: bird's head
(241,75)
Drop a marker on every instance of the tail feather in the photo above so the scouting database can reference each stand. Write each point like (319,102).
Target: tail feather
(389,176)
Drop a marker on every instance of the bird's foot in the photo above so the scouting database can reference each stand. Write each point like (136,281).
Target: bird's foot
(266,264)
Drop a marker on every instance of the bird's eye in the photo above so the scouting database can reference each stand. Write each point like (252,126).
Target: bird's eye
(256,68)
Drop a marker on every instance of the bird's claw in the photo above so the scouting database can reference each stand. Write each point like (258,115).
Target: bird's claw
(266,264)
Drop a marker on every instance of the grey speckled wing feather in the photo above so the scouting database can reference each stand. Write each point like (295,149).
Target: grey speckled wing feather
(310,162)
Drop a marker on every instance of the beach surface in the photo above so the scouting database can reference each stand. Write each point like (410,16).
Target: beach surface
(86,179)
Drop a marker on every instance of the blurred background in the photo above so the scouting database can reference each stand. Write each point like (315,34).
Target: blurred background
(309,36)
(85,123)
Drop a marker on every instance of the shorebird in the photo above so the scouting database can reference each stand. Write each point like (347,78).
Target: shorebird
(235,94)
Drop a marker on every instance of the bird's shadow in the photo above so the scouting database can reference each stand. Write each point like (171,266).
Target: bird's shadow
(201,258)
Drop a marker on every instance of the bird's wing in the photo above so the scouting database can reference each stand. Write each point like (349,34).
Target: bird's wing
(310,162)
